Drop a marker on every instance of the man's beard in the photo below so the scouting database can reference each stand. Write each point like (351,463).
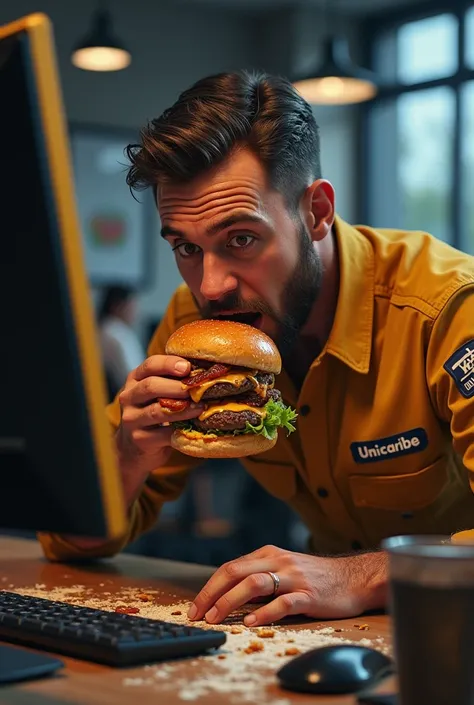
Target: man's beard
(300,293)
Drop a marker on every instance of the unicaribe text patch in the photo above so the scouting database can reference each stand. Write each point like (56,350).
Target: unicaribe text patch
(461,368)
(404,443)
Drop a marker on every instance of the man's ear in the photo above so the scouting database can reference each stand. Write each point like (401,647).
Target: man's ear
(318,208)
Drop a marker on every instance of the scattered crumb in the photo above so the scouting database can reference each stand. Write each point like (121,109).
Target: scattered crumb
(290,641)
(144,597)
(222,657)
(254,646)
(338,630)
(176,613)
(123,609)
(292,651)
(364,628)
(101,584)
(265,633)
(357,626)
(236,630)
(279,653)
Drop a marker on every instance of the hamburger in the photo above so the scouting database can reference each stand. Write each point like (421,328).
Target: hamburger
(233,368)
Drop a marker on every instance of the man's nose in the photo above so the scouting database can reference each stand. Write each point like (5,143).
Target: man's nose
(217,280)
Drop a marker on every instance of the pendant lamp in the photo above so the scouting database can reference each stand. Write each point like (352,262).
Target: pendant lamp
(100,50)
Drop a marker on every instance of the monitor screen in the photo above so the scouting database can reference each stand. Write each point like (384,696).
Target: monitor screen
(57,468)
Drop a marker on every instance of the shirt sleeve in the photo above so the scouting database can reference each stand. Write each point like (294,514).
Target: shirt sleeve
(164,484)
(450,372)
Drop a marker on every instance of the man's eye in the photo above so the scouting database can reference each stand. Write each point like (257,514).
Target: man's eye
(186,249)
(241,241)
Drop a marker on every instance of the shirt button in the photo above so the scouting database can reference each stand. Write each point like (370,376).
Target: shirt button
(356,545)
(304,410)
(322,492)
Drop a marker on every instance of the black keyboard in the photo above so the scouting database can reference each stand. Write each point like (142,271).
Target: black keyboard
(97,635)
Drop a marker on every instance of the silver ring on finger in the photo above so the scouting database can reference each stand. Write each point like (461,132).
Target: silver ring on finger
(276,582)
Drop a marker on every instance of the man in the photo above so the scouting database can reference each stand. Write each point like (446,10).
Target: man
(376,333)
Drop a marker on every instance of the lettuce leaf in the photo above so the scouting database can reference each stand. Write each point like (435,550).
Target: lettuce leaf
(278,416)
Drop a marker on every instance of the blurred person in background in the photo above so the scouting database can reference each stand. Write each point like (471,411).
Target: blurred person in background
(376,332)
(122,350)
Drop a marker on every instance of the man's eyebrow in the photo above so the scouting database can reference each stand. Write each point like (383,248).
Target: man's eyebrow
(215,227)
(167,230)
(235,219)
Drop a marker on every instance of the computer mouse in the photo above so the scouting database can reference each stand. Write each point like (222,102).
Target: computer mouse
(339,668)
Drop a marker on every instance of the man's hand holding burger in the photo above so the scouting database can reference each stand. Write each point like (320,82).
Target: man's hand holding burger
(152,395)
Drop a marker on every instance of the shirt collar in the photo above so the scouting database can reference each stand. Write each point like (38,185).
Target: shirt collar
(350,338)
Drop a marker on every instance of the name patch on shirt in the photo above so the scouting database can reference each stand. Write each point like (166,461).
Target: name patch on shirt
(411,441)
(461,368)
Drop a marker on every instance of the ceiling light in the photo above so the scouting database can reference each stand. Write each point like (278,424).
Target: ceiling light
(337,81)
(100,50)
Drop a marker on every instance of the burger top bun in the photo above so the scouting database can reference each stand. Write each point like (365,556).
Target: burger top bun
(226,341)
(201,446)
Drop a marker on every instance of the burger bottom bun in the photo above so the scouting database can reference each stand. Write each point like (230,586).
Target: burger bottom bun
(205,446)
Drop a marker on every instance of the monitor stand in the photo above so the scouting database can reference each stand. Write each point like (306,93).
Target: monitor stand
(19,664)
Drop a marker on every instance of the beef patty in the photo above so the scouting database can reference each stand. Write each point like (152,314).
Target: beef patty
(234,420)
(224,389)
(227,421)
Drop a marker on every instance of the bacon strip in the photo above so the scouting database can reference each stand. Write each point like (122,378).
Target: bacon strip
(217,370)
(174,405)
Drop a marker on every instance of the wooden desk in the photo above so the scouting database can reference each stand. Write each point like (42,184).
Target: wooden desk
(22,567)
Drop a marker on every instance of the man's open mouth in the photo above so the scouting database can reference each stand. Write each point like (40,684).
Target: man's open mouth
(251,318)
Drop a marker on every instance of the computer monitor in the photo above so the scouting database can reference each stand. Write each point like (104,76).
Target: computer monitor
(57,466)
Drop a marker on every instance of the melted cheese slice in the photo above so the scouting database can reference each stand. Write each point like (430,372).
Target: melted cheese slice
(218,408)
(236,379)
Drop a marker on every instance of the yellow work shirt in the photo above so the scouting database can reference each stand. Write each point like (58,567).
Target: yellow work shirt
(385,434)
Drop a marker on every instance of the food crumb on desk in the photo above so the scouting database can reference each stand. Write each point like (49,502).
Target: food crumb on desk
(364,628)
(265,633)
(236,630)
(292,651)
(177,612)
(124,609)
(254,646)
(144,597)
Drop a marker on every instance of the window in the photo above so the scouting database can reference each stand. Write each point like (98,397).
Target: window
(420,165)
(427,49)
(467,167)
(469,38)
(425,122)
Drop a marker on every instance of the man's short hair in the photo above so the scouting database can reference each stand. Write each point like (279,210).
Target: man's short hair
(221,113)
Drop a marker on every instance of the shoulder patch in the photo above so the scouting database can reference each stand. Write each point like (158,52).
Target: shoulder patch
(461,368)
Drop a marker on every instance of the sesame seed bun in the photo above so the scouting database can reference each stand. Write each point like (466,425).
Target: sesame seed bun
(228,342)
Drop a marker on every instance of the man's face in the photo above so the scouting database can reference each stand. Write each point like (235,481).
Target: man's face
(240,251)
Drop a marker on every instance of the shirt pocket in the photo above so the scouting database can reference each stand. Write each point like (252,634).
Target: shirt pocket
(406,503)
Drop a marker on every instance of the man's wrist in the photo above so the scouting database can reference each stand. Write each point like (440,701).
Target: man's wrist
(369,572)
